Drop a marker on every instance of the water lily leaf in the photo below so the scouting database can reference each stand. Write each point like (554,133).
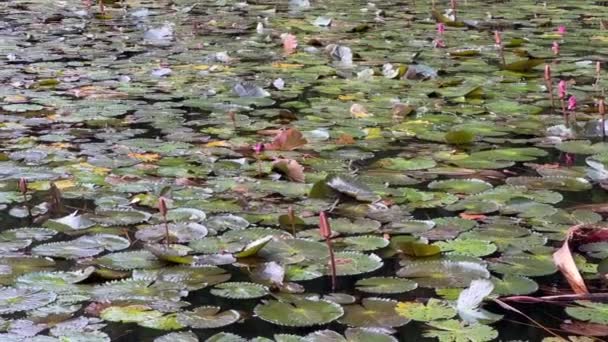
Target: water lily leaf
(299,312)
(55,281)
(130,260)
(27,233)
(525,65)
(461,186)
(417,249)
(358,226)
(350,335)
(401,164)
(226,337)
(254,247)
(373,313)
(239,290)
(291,251)
(454,331)
(216,244)
(443,274)
(350,186)
(68,249)
(385,285)
(551,183)
(524,265)
(593,312)
(208,317)
(184,336)
(434,309)
(129,313)
(511,154)
(119,217)
(23,299)
(353,263)
(361,243)
(144,290)
(178,232)
(228,221)
(514,285)
(469,247)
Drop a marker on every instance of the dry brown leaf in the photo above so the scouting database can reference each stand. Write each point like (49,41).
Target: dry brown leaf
(290,168)
(565,263)
(287,140)
(345,139)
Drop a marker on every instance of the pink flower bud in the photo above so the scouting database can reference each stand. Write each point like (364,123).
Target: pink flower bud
(162,206)
(555,48)
(497,38)
(324,228)
(440,28)
(561,89)
(23,185)
(258,148)
(561,29)
(547,72)
(572,102)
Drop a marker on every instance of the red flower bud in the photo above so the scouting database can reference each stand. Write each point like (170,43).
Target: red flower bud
(23,185)
(162,206)
(324,228)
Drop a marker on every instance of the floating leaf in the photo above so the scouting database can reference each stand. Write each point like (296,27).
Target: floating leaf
(385,285)
(452,330)
(208,317)
(443,274)
(299,312)
(239,290)
(433,310)
(373,313)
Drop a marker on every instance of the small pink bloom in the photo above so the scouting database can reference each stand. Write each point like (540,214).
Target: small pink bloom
(258,148)
(561,29)
(440,29)
(555,48)
(290,43)
(547,72)
(572,102)
(561,89)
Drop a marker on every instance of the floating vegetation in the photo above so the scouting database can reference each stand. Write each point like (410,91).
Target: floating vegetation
(303,170)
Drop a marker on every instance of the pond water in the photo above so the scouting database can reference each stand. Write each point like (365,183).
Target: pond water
(165,167)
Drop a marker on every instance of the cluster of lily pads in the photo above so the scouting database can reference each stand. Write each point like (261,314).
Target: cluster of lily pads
(446,171)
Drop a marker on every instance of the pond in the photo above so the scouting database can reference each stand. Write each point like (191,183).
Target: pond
(303,170)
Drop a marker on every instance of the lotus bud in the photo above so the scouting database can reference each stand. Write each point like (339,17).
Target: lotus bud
(561,30)
(23,185)
(547,73)
(162,206)
(324,227)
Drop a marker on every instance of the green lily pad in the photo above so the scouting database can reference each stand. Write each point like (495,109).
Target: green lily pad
(433,310)
(443,274)
(385,285)
(239,290)
(373,313)
(208,317)
(299,312)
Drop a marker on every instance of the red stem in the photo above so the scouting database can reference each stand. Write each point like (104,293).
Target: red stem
(166,230)
(565,113)
(332,260)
